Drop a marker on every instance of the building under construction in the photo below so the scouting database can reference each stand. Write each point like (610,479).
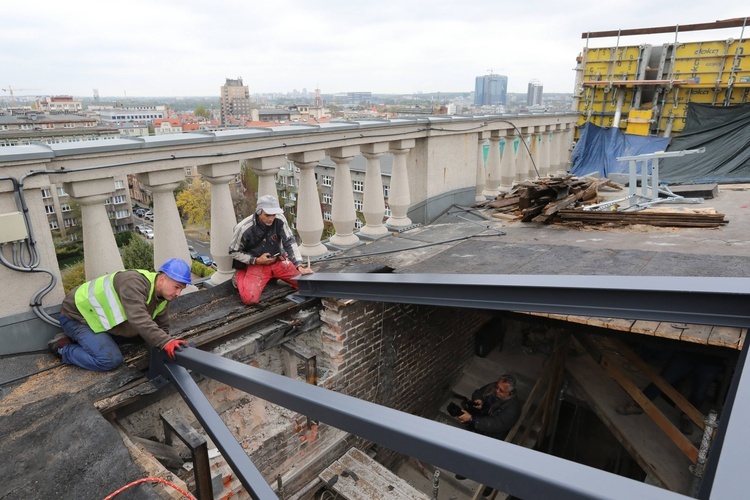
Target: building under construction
(646,89)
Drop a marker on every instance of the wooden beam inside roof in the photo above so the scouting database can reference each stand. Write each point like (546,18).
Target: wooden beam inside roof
(727,23)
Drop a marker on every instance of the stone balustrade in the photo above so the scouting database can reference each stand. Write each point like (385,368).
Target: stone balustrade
(437,161)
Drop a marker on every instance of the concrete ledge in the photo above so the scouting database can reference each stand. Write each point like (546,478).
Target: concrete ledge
(25,332)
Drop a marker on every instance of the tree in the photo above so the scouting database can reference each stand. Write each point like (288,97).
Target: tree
(195,204)
(73,233)
(244,198)
(73,276)
(243,204)
(202,112)
(138,254)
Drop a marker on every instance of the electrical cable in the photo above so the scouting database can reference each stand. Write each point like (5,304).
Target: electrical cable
(25,256)
(151,480)
(531,157)
(383,252)
(472,210)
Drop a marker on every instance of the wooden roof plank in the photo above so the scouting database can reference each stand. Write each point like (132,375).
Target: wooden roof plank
(670,330)
(696,333)
(727,336)
(722,336)
(620,324)
(645,327)
(583,320)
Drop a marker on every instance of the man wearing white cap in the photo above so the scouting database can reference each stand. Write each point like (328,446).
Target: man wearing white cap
(263,247)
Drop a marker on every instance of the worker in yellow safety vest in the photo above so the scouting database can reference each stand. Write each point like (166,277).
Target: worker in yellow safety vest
(99,314)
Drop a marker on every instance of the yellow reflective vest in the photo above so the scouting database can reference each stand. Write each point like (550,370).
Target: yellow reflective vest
(99,304)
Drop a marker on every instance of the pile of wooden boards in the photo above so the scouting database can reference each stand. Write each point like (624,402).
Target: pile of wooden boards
(653,217)
(561,198)
(541,200)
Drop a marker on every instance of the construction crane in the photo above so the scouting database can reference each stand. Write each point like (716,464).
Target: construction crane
(10,90)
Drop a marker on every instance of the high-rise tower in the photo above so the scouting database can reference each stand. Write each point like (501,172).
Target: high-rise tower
(490,90)
(235,100)
(534,94)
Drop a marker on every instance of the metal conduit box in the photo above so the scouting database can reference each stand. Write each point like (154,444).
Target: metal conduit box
(12,227)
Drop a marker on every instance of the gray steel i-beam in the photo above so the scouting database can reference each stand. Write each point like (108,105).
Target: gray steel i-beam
(709,301)
(507,467)
(234,454)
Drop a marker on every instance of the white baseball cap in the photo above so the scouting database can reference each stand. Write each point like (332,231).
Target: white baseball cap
(269,204)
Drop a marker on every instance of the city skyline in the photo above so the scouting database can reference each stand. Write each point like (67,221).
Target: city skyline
(170,48)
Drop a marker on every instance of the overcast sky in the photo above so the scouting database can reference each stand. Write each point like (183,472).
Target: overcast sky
(189,47)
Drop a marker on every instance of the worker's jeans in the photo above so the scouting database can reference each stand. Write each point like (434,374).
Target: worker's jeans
(93,351)
(253,279)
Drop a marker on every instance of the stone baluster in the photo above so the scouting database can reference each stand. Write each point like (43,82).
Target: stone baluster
(400,198)
(223,218)
(554,149)
(565,143)
(492,188)
(535,169)
(309,216)
(508,160)
(169,237)
(373,204)
(544,145)
(523,158)
(100,253)
(342,208)
(481,138)
(266,169)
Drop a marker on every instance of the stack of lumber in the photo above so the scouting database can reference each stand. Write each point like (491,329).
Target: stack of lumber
(541,200)
(652,217)
(561,198)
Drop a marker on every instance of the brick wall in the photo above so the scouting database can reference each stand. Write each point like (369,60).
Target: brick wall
(401,356)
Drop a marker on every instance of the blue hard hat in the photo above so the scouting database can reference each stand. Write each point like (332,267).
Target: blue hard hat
(177,269)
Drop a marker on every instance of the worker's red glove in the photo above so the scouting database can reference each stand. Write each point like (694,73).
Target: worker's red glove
(173,345)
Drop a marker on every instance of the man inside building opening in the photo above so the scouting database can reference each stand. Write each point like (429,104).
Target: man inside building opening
(98,314)
(493,411)
(263,247)
(496,408)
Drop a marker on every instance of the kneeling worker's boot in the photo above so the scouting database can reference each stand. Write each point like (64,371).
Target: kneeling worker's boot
(57,343)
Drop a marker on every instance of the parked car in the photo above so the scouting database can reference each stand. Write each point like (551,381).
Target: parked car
(205,260)
(148,233)
(193,252)
(141,228)
(140,212)
(149,216)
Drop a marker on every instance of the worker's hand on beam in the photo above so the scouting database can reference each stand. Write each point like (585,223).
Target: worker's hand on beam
(173,345)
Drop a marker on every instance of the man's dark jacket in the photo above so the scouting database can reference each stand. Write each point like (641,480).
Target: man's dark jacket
(502,414)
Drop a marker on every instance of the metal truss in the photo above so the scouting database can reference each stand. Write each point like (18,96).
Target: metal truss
(507,467)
